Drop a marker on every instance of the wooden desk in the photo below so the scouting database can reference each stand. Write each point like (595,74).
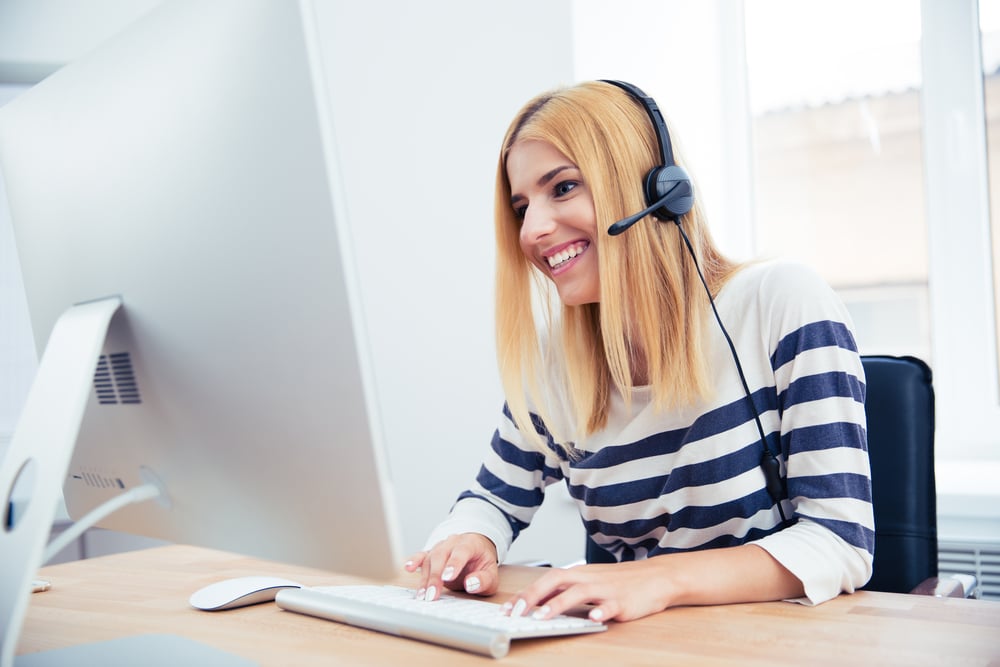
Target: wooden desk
(147,591)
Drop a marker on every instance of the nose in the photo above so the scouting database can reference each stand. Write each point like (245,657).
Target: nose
(538,223)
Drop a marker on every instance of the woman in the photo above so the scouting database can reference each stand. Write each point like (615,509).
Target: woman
(630,392)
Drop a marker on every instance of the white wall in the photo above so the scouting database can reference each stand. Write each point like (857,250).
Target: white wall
(422,95)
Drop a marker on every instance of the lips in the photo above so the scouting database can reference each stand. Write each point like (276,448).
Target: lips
(562,257)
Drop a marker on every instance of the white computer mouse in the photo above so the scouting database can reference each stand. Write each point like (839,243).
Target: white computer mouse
(239,592)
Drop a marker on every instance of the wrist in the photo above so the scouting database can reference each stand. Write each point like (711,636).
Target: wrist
(488,545)
(668,580)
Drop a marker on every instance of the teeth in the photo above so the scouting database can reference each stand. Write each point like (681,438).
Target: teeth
(566,255)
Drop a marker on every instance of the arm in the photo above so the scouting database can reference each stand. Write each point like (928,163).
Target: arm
(819,416)
(626,591)
(820,383)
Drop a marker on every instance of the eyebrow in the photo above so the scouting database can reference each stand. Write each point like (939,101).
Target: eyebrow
(546,177)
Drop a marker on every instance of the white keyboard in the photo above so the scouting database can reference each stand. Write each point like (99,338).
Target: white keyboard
(471,625)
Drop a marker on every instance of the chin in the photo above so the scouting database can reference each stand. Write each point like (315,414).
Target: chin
(574,299)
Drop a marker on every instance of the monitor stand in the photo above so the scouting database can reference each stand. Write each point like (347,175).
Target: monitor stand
(40,454)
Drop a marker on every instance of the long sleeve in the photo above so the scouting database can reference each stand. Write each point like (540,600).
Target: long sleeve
(820,403)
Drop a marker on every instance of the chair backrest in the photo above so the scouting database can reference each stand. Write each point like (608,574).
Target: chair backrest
(899,406)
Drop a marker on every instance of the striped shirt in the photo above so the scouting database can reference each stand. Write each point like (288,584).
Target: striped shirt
(655,482)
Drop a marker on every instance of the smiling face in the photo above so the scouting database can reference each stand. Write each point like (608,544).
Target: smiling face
(558,223)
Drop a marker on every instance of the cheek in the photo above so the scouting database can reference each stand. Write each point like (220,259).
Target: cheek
(588,218)
(526,247)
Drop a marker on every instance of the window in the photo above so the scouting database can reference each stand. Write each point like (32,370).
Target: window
(838,167)
(869,164)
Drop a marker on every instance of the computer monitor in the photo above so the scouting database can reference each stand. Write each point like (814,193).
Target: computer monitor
(186,170)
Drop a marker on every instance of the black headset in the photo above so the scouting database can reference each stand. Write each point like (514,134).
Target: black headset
(668,189)
(669,195)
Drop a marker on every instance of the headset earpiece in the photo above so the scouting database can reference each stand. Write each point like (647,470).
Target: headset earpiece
(672,183)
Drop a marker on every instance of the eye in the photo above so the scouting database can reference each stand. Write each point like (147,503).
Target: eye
(520,211)
(563,188)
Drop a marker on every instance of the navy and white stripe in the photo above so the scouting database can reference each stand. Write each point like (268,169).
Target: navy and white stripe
(653,483)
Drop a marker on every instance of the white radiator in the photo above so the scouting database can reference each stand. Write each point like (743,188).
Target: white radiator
(980,559)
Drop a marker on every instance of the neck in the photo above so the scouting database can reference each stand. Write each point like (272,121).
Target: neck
(637,363)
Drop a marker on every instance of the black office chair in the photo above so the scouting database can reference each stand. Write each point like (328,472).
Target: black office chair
(899,406)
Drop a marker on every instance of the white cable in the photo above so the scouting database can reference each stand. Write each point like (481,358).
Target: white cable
(136,494)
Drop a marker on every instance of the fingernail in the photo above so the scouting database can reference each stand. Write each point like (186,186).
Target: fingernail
(431,592)
(506,607)
(408,564)
(448,574)
(519,608)
(472,584)
(596,614)
(541,613)
(420,593)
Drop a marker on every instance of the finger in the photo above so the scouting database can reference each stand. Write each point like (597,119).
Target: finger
(423,561)
(606,611)
(451,561)
(432,569)
(571,595)
(464,558)
(483,581)
(414,562)
(447,565)
(454,569)
(537,593)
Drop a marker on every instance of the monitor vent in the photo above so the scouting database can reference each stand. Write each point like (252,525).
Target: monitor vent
(98,480)
(114,380)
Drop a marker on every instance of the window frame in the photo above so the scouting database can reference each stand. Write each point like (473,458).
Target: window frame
(960,265)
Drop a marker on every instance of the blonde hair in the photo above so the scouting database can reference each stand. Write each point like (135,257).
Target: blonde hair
(651,298)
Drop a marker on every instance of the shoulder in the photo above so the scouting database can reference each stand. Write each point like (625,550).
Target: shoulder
(778,279)
(777,287)
(783,299)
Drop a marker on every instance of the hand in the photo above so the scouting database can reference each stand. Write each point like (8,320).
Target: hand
(630,590)
(462,562)
(619,591)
